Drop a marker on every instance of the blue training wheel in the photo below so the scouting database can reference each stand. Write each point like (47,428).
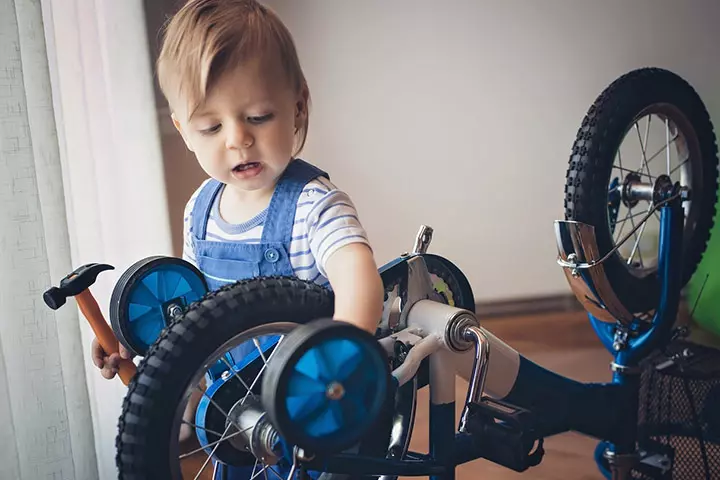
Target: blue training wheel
(326,386)
(148,295)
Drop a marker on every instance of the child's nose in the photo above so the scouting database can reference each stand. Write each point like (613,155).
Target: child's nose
(239,137)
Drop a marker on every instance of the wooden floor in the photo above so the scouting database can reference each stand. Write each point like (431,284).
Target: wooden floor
(564,343)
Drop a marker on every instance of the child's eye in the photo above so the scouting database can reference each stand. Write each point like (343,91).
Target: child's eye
(260,119)
(210,130)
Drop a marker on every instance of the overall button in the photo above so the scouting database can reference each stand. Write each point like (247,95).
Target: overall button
(272,255)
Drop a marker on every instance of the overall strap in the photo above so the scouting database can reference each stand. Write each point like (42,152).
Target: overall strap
(281,212)
(201,209)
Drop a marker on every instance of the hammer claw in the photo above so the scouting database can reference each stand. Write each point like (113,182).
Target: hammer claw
(77,284)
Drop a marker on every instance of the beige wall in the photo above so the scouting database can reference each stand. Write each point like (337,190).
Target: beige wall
(461,114)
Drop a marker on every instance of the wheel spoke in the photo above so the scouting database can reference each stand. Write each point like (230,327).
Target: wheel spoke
(227,417)
(637,240)
(202,428)
(262,369)
(235,373)
(257,345)
(644,160)
(655,155)
(679,166)
(207,460)
(645,143)
(622,169)
(254,475)
(264,470)
(623,221)
(272,470)
(628,217)
(216,442)
(667,144)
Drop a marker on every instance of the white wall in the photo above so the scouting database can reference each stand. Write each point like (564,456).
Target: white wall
(461,114)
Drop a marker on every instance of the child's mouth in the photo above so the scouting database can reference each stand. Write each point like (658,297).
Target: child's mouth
(245,166)
(246,170)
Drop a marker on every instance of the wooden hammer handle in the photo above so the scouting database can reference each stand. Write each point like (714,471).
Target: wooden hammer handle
(106,337)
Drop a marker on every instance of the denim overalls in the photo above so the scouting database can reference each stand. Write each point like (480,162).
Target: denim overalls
(224,262)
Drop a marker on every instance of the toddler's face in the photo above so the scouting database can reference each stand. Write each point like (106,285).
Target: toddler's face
(243,134)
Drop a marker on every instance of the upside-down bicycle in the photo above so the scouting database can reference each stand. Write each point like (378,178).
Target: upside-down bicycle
(322,397)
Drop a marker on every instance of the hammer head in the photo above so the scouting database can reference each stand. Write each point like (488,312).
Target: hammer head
(78,281)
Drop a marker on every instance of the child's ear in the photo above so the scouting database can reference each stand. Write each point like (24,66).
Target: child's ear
(179,128)
(301,107)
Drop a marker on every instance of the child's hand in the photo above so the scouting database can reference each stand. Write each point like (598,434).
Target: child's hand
(108,365)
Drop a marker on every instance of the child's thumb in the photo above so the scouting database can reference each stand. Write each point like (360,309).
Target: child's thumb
(124,353)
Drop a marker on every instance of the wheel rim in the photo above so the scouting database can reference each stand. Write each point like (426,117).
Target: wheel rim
(659,141)
(209,440)
(155,296)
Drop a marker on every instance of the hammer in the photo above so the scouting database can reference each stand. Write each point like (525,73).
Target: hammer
(77,285)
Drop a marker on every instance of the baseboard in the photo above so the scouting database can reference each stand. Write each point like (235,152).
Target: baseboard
(523,306)
(556,322)
(528,306)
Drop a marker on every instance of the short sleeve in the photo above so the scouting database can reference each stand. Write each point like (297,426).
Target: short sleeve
(333,223)
(188,253)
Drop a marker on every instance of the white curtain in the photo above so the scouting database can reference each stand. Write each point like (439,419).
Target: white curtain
(81,180)
(45,418)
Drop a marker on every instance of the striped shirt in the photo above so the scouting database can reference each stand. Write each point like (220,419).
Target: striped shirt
(325,220)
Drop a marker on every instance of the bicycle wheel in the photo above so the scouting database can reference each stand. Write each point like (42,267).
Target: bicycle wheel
(173,370)
(646,123)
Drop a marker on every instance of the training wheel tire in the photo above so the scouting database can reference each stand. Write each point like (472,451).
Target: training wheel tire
(326,386)
(141,299)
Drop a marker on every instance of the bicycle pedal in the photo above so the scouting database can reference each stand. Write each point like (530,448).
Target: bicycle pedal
(505,434)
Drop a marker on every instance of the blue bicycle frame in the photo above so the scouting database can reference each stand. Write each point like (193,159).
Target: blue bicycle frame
(606,411)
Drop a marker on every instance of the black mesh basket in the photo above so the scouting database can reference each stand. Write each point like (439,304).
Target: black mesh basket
(679,413)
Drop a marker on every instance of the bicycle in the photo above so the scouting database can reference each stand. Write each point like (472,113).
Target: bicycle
(286,406)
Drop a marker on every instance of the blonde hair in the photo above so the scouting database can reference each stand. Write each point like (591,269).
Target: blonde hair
(206,37)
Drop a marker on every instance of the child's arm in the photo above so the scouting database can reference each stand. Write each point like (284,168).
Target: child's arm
(358,289)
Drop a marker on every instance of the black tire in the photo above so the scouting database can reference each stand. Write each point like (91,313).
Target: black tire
(119,300)
(448,272)
(147,418)
(591,163)
(375,395)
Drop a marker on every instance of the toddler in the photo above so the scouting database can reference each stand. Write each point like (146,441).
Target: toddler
(239,99)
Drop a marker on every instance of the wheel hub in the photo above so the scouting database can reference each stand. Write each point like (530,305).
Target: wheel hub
(634,190)
(335,391)
(257,435)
